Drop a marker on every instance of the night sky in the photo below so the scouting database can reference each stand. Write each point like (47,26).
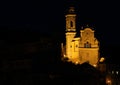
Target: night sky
(48,16)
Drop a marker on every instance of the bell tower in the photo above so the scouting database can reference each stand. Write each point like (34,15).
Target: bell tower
(71,20)
(70,30)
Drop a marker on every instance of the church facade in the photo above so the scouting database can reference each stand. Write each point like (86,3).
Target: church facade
(82,48)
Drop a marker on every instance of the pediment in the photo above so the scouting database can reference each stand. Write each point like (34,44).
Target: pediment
(88,29)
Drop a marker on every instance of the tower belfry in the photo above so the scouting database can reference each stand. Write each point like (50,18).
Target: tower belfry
(71,20)
(71,10)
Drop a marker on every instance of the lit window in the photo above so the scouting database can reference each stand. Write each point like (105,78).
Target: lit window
(112,72)
(117,72)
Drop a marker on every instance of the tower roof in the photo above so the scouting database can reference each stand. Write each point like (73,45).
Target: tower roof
(71,10)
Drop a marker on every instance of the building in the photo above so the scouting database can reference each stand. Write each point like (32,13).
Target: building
(113,75)
(79,49)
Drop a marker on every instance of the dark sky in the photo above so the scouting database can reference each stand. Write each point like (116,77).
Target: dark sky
(48,16)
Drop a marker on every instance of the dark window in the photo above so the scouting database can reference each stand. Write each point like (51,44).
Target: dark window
(71,23)
(76,45)
(87,45)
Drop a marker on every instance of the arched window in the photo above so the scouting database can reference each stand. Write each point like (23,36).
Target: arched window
(76,46)
(71,24)
(87,45)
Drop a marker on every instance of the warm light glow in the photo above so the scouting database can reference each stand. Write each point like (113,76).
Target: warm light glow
(76,62)
(95,65)
(108,82)
(102,59)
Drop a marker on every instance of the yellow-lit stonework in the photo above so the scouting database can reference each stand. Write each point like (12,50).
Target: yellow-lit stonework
(79,49)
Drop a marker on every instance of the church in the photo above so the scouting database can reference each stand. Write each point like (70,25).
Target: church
(82,48)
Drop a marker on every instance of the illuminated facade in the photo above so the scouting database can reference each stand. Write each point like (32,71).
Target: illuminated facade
(79,49)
